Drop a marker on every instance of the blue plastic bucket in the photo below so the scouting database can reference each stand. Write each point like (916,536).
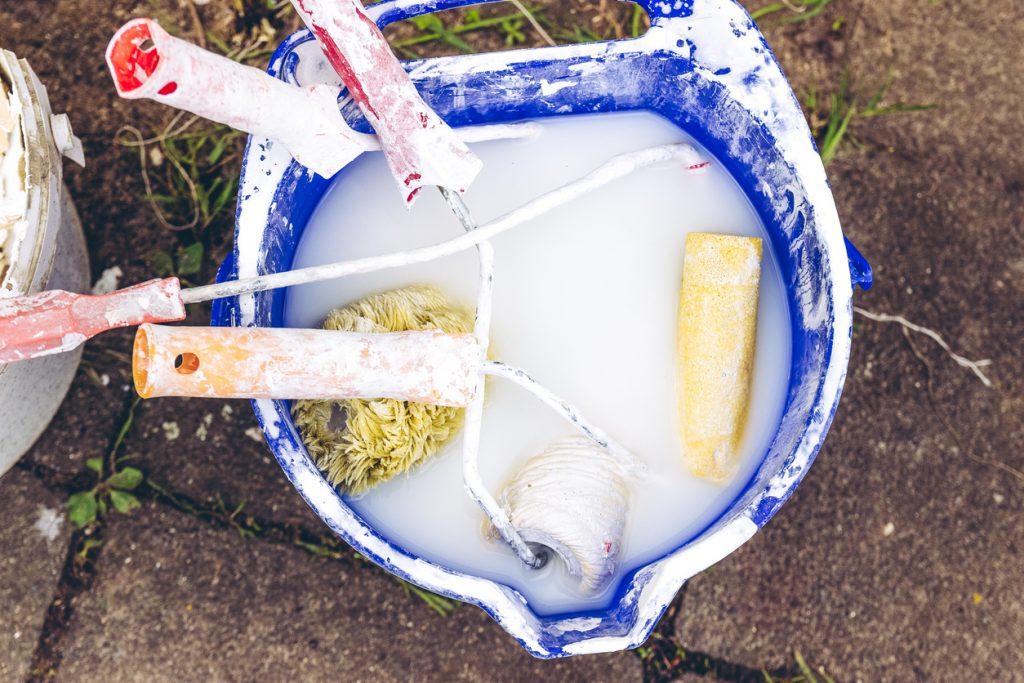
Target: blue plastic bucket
(704,66)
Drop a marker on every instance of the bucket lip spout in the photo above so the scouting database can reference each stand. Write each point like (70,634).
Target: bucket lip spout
(765,144)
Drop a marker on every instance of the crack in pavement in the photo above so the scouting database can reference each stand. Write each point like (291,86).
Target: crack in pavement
(220,515)
(76,578)
(662,655)
(79,570)
(665,659)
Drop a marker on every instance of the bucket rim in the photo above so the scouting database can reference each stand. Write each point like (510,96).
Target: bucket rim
(649,589)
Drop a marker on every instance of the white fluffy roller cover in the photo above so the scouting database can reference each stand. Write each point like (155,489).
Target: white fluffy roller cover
(715,351)
(280,363)
(420,148)
(146,62)
(573,498)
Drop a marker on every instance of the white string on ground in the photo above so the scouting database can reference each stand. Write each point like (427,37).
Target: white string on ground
(974,366)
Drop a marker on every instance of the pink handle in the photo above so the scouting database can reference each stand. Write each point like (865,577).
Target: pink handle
(147,62)
(57,321)
(420,148)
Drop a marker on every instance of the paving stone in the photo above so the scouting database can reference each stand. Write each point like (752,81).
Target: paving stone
(90,415)
(213,452)
(35,541)
(176,599)
(899,558)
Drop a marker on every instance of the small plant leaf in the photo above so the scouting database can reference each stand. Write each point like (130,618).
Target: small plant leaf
(441,605)
(226,193)
(124,502)
(426,21)
(161,262)
(87,545)
(82,508)
(190,259)
(95,464)
(218,149)
(126,480)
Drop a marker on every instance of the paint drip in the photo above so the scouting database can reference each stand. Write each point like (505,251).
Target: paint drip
(360,443)
(13,180)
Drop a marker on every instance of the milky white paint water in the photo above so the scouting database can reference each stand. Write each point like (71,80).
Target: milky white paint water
(585,299)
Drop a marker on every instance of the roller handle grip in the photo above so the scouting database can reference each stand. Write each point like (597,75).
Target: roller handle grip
(419,147)
(146,62)
(283,363)
(56,321)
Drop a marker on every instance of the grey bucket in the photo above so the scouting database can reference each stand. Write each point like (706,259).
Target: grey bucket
(51,254)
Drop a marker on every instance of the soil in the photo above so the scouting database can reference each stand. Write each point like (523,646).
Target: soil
(901,556)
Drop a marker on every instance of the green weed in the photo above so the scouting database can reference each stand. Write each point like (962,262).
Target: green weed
(800,10)
(832,117)
(113,487)
(430,27)
(442,606)
(578,34)
(806,675)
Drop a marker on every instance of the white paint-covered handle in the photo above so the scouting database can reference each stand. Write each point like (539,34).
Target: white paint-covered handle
(146,62)
(281,363)
(420,148)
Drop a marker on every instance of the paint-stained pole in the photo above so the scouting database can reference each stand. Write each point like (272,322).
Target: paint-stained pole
(420,148)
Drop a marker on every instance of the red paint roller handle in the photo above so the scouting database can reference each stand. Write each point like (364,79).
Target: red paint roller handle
(146,62)
(56,321)
(420,148)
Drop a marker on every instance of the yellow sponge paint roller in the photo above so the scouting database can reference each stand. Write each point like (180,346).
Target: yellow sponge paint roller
(715,349)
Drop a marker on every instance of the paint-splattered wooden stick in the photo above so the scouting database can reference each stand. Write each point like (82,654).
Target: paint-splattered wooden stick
(57,321)
(280,363)
(420,148)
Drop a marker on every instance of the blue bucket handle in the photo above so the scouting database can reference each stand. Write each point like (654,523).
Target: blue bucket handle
(860,270)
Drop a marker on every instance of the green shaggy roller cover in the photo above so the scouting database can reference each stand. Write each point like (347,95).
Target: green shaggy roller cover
(360,443)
